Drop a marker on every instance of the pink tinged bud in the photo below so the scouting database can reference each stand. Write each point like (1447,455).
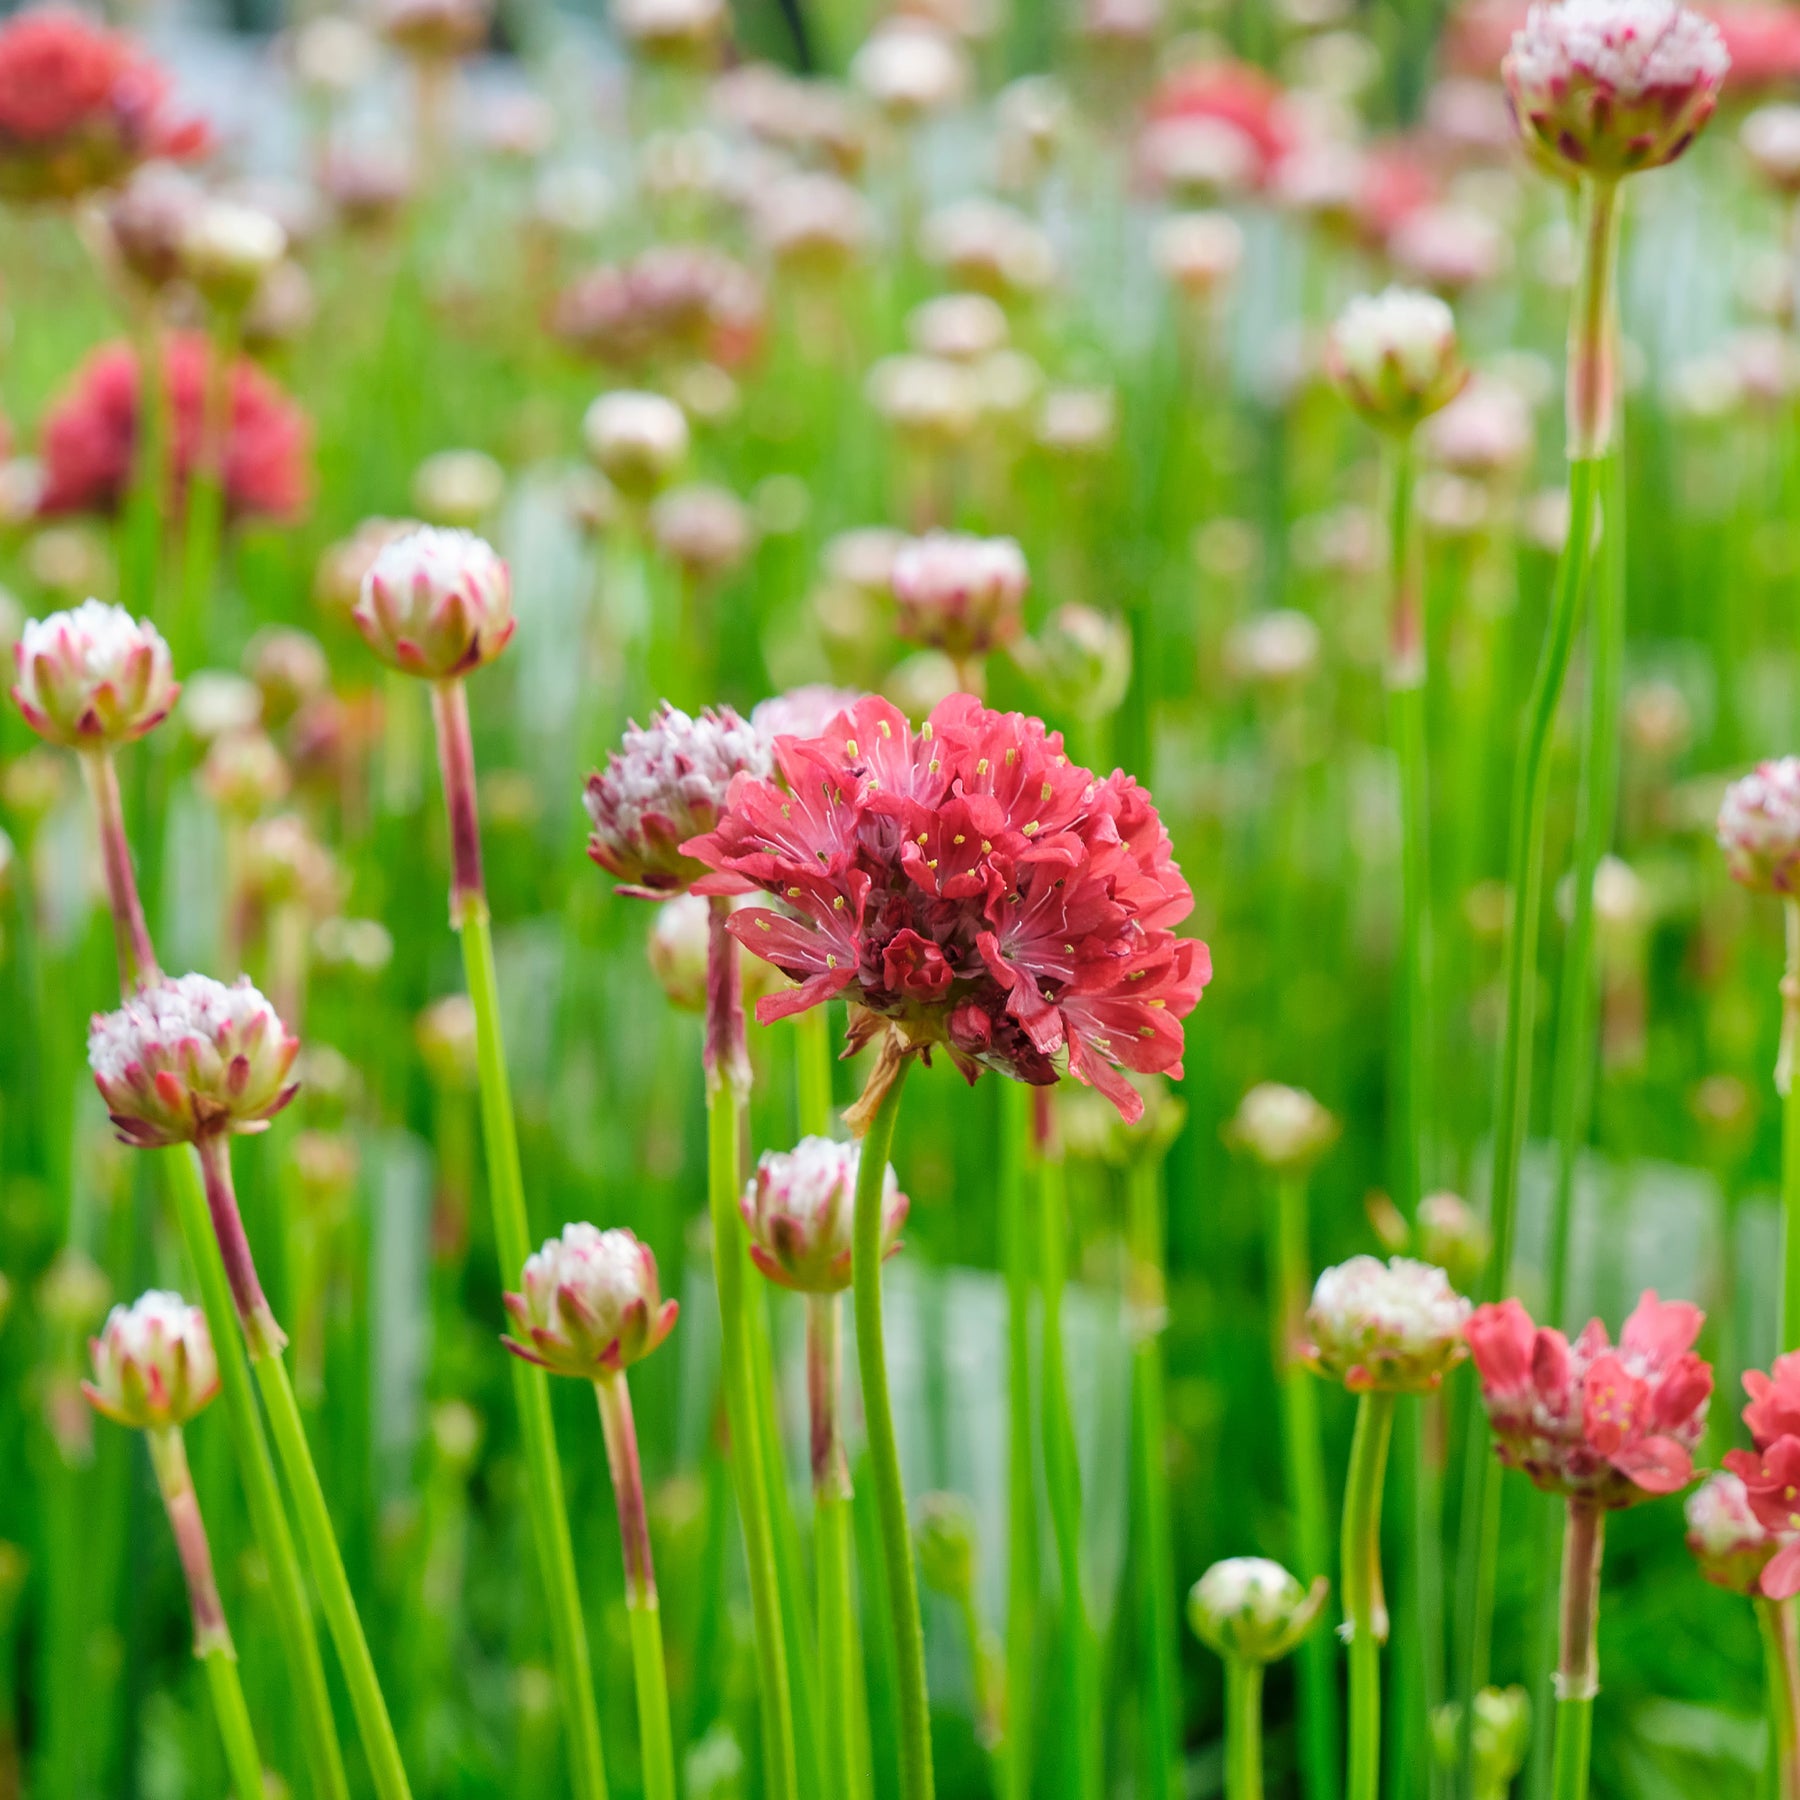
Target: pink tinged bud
(1730,1543)
(1394,355)
(1608,87)
(1585,1420)
(154,1365)
(1393,1327)
(799,1209)
(1759,827)
(190,1059)
(959,594)
(590,1304)
(92,677)
(667,783)
(436,603)
(636,440)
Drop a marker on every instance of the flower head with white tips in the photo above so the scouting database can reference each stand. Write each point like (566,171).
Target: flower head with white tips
(1729,1542)
(1393,1327)
(799,1209)
(960,594)
(1759,827)
(1608,87)
(191,1058)
(154,1365)
(93,676)
(436,603)
(590,1304)
(1395,356)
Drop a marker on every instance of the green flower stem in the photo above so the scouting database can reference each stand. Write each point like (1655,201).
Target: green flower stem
(1365,1609)
(812,1071)
(1790,1134)
(656,1745)
(1304,1457)
(1148,1314)
(531,1386)
(831,1543)
(916,1781)
(1781,1662)
(724,1111)
(1578,1664)
(235,1731)
(1243,1729)
(1022,1512)
(1062,1472)
(268,1518)
(212,1638)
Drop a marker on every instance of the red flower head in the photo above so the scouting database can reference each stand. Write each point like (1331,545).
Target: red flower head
(1764,43)
(80,107)
(90,434)
(1771,1473)
(1583,1419)
(1234,94)
(973,886)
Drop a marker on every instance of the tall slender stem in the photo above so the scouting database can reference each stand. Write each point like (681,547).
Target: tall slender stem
(212,1638)
(812,1072)
(512,1242)
(1781,1663)
(1243,1729)
(1148,1302)
(1304,1457)
(655,1742)
(1365,1609)
(1790,1133)
(264,1340)
(205,521)
(137,955)
(831,1542)
(1021,1490)
(916,1782)
(724,1094)
(1062,1473)
(268,1518)
(1591,398)
(1578,1663)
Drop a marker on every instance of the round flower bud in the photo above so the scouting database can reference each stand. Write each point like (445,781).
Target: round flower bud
(1606,87)
(289,669)
(590,1306)
(434,30)
(148,219)
(1081,660)
(216,702)
(932,402)
(436,603)
(244,774)
(93,677)
(1759,827)
(190,1058)
(154,1365)
(1198,253)
(1771,139)
(958,327)
(959,594)
(910,68)
(703,529)
(947,1538)
(1395,357)
(1394,1327)
(636,440)
(445,1031)
(665,784)
(1283,1127)
(800,1209)
(1731,1545)
(672,31)
(458,487)
(1454,1237)
(1502,1734)
(813,224)
(1272,648)
(227,248)
(1252,1609)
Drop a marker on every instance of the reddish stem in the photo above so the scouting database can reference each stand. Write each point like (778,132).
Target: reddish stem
(137,955)
(456,764)
(628,1487)
(182,1504)
(1584,1542)
(726,1055)
(263,1336)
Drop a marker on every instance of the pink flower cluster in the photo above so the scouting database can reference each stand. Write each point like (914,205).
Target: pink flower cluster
(80,106)
(90,434)
(970,884)
(1612,1426)
(674,302)
(1771,1472)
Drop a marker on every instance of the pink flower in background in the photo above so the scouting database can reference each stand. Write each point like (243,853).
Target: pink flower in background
(973,886)
(1614,1426)
(90,434)
(1771,1472)
(80,106)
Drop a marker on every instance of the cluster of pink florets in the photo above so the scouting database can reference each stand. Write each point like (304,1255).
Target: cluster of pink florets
(970,884)
(1771,1472)
(1586,1420)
